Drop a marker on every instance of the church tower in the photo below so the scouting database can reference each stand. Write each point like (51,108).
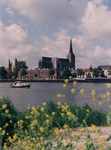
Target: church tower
(71,56)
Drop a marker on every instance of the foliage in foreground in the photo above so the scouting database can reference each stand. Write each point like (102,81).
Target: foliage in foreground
(54,126)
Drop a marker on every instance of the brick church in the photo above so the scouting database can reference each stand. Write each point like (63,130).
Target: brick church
(58,64)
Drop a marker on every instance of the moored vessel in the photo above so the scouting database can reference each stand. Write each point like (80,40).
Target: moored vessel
(20,84)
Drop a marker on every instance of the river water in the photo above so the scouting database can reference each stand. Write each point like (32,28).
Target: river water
(40,92)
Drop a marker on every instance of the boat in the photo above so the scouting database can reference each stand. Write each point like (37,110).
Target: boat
(20,84)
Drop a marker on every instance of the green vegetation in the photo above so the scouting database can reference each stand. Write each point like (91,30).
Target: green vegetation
(51,73)
(96,72)
(35,75)
(23,72)
(39,128)
(3,73)
(80,72)
(66,73)
(20,65)
(74,75)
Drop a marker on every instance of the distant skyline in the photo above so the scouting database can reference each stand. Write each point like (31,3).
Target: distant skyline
(30,29)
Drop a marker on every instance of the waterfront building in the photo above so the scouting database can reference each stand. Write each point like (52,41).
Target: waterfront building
(58,64)
(106,70)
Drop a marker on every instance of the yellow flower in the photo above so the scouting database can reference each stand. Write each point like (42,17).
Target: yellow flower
(26,117)
(100,103)
(81,91)
(14,137)
(44,104)
(64,85)
(56,131)
(82,130)
(4,145)
(53,113)
(69,113)
(108,85)
(4,106)
(90,142)
(47,121)
(41,129)
(73,134)
(104,96)
(41,138)
(88,110)
(108,93)
(108,99)
(72,90)
(59,103)
(42,109)
(66,143)
(66,80)
(93,92)
(59,95)
(38,144)
(65,126)
(93,99)
(7,111)
(74,83)
(47,115)
(0,128)
(62,114)
(109,106)
(76,110)
(3,132)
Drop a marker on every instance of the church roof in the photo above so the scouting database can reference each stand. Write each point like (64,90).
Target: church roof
(63,60)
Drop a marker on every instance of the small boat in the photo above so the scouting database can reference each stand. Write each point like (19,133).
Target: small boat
(20,84)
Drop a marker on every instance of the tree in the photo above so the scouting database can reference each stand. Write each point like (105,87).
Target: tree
(96,72)
(35,75)
(20,65)
(3,73)
(80,72)
(12,74)
(74,75)
(51,72)
(23,72)
(66,73)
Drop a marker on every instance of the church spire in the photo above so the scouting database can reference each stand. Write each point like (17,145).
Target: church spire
(70,48)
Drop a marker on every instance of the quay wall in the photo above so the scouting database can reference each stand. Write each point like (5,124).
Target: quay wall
(89,80)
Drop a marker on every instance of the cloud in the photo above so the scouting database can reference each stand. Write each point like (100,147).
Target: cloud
(9,11)
(58,11)
(97,21)
(14,42)
(86,53)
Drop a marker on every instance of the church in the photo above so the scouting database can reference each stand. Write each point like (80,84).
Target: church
(58,64)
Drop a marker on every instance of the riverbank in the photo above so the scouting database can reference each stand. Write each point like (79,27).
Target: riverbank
(59,126)
(87,80)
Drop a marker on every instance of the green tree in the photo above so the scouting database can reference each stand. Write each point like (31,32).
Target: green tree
(3,73)
(35,75)
(12,74)
(51,72)
(74,75)
(66,73)
(96,72)
(80,72)
(20,65)
(23,72)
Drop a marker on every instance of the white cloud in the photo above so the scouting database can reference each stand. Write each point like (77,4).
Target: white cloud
(9,11)
(97,21)
(59,11)
(86,53)
(14,42)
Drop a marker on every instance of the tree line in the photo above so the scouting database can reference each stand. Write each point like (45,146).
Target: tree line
(66,73)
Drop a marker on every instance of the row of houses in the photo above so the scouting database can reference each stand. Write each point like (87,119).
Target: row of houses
(44,73)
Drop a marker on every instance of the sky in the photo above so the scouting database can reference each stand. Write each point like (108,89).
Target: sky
(30,29)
